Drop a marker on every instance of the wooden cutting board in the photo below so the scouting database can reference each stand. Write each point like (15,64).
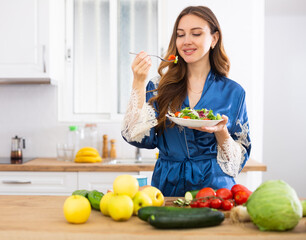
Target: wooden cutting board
(41,217)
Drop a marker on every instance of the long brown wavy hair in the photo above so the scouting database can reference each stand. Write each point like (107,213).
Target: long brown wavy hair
(172,88)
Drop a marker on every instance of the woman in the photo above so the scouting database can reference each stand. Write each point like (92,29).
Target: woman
(190,158)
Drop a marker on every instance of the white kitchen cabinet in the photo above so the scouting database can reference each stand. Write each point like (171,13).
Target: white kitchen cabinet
(101,181)
(59,183)
(38,183)
(24,38)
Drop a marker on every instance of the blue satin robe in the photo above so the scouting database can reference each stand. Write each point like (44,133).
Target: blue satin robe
(187,157)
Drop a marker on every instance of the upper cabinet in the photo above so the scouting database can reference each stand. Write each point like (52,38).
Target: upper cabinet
(24,39)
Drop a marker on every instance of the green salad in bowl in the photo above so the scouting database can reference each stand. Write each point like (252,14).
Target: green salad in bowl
(195,118)
(201,114)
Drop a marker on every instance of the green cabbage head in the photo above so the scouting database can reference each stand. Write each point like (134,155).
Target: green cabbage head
(274,206)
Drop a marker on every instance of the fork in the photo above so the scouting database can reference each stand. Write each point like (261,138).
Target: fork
(165,60)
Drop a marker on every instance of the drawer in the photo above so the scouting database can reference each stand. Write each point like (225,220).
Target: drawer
(101,181)
(40,183)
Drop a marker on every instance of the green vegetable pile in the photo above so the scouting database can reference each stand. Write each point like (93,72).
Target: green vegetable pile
(93,196)
(274,206)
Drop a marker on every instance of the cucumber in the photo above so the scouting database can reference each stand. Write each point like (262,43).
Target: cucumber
(83,193)
(180,220)
(145,212)
(94,198)
(190,195)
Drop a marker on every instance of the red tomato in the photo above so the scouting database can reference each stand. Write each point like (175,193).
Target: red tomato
(171,57)
(186,117)
(227,205)
(206,192)
(216,203)
(224,193)
(202,204)
(194,204)
(177,113)
(239,187)
(241,197)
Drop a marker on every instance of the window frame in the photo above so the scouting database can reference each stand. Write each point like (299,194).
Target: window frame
(66,111)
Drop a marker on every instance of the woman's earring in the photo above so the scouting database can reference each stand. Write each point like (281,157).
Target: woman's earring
(212,47)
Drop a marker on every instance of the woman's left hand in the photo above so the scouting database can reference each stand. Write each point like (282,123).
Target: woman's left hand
(221,126)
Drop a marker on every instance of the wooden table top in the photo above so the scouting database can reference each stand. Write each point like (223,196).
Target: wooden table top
(52,165)
(41,217)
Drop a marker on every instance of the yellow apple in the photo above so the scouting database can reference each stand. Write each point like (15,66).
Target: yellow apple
(105,202)
(76,209)
(120,207)
(126,185)
(141,199)
(155,194)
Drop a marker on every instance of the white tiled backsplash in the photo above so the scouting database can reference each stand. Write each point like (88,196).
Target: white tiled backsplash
(30,111)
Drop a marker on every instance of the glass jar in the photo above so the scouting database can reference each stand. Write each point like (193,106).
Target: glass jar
(89,136)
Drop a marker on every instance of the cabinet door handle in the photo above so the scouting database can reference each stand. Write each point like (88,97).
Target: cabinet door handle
(44,58)
(16,182)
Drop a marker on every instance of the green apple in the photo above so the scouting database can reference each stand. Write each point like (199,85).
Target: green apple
(120,207)
(76,209)
(141,199)
(126,185)
(155,194)
(105,202)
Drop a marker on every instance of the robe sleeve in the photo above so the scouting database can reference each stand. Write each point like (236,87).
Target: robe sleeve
(236,149)
(138,124)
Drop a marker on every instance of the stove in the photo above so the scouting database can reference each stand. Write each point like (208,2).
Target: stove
(7,160)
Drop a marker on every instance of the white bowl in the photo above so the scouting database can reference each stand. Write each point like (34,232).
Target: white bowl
(194,122)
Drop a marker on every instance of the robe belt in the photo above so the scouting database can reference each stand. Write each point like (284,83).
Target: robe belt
(195,175)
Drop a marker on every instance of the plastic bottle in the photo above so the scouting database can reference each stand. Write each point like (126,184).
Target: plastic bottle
(89,136)
(73,138)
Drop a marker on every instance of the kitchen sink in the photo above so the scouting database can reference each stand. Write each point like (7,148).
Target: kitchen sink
(144,161)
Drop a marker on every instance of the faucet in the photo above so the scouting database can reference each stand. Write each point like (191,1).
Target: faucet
(138,155)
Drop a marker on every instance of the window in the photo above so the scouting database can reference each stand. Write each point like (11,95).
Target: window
(99,36)
(137,31)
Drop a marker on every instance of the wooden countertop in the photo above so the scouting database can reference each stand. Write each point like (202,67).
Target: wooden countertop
(52,165)
(41,217)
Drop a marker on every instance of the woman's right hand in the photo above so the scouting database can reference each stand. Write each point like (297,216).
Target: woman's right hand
(141,66)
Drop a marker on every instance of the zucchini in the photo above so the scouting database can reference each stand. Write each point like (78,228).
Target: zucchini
(145,212)
(180,220)
(190,195)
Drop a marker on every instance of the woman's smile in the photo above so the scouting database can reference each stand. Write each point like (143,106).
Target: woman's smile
(189,51)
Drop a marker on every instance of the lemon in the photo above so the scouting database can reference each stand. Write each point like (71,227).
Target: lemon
(126,185)
(76,209)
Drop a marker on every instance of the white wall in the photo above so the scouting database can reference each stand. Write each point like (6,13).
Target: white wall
(30,111)
(285,99)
